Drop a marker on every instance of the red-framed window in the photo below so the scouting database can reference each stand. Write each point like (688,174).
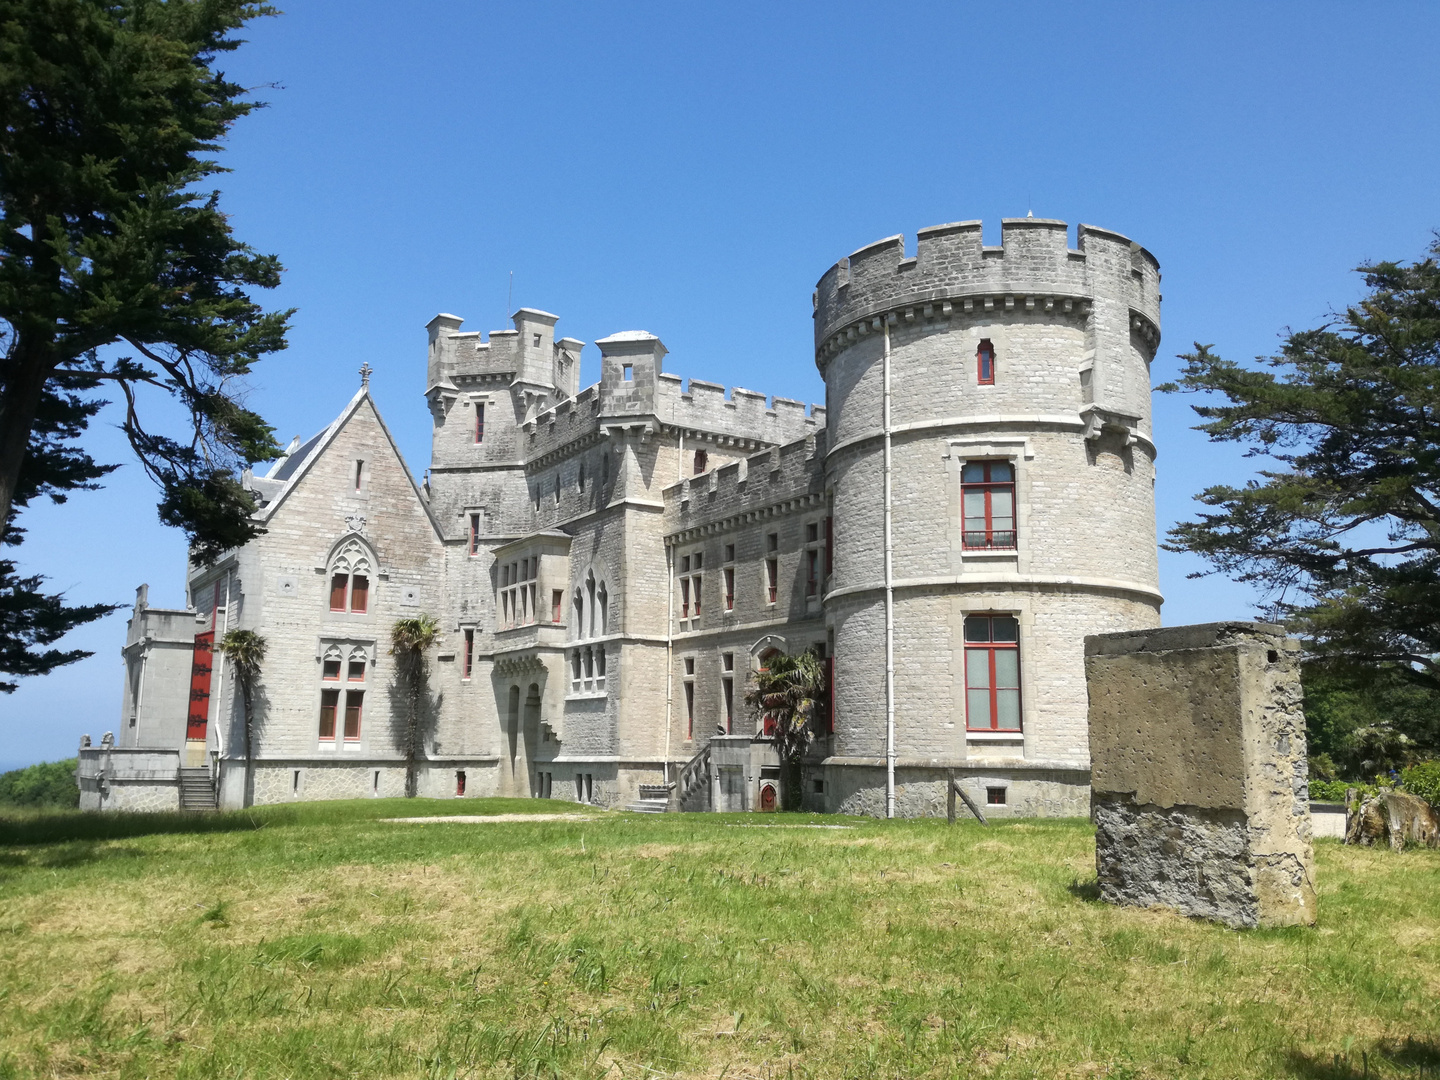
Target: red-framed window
(987,497)
(985,363)
(350,592)
(356,672)
(992,673)
(479,421)
(354,705)
(460,783)
(330,670)
(557,605)
(729,588)
(329,704)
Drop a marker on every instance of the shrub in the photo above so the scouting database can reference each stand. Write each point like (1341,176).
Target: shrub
(51,783)
(1423,780)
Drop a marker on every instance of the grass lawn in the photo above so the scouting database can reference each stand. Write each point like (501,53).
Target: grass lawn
(321,941)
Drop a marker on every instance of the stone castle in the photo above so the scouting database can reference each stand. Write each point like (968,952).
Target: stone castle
(609,565)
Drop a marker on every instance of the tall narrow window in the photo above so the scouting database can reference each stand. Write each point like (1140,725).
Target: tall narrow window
(339,588)
(580,478)
(987,493)
(359,593)
(729,588)
(689,697)
(829,546)
(727,689)
(701,457)
(354,699)
(474,534)
(359,474)
(992,673)
(479,421)
(557,602)
(469,654)
(985,363)
(329,700)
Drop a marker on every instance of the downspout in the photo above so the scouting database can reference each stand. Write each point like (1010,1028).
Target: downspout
(220,685)
(889,595)
(669,648)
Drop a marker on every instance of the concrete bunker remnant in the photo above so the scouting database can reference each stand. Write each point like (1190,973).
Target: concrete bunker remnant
(1199,789)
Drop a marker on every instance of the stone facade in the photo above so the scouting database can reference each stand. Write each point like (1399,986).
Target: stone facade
(610,564)
(1200,786)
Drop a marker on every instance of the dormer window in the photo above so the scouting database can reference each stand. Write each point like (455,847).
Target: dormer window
(985,363)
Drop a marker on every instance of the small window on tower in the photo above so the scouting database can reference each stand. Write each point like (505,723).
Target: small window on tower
(535,341)
(479,421)
(359,475)
(985,362)
(700,459)
(629,372)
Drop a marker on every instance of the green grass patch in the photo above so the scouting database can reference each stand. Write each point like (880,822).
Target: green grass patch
(319,940)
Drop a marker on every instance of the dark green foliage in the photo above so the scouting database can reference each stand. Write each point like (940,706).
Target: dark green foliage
(50,784)
(1344,532)
(791,690)
(1362,722)
(1423,780)
(118,270)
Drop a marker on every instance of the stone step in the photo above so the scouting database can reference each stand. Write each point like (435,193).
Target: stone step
(649,806)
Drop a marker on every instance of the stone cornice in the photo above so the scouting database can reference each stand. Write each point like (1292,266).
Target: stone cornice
(1007,422)
(782,506)
(987,582)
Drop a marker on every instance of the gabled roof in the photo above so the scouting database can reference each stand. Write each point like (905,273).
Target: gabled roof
(286,475)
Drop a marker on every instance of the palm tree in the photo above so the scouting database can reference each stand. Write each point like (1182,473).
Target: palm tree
(409,640)
(791,692)
(246,652)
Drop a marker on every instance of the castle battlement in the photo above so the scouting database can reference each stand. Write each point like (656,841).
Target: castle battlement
(777,480)
(952,272)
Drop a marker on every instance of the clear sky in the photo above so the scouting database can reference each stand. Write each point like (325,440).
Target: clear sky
(692,169)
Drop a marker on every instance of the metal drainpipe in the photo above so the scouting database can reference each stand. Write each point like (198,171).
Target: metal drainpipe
(889,597)
(220,688)
(669,647)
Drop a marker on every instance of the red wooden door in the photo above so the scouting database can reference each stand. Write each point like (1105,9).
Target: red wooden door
(200,686)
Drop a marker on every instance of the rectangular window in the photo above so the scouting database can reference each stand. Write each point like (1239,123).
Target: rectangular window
(985,363)
(812,571)
(995,796)
(357,671)
(729,552)
(987,497)
(459,783)
(729,588)
(812,532)
(359,474)
(727,688)
(695,589)
(557,603)
(339,586)
(829,546)
(354,699)
(359,593)
(329,700)
(684,598)
(992,673)
(479,421)
(331,670)
(474,534)
(469,654)
(772,579)
(689,710)
(701,457)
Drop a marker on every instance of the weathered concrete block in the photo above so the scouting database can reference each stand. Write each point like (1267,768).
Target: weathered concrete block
(1198,771)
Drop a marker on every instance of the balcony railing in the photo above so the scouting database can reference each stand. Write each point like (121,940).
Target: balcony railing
(989,540)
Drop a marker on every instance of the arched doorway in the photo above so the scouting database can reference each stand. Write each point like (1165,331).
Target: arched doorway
(769,797)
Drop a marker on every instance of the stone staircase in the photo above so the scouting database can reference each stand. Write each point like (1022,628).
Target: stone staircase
(654,799)
(692,790)
(197,791)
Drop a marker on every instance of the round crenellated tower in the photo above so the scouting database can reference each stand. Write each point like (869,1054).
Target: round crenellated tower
(1022,503)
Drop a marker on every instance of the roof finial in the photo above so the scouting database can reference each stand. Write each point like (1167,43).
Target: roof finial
(365,370)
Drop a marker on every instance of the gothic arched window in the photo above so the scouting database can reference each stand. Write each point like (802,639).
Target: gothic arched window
(350,579)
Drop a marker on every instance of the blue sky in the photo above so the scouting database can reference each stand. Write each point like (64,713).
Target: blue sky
(692,170)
